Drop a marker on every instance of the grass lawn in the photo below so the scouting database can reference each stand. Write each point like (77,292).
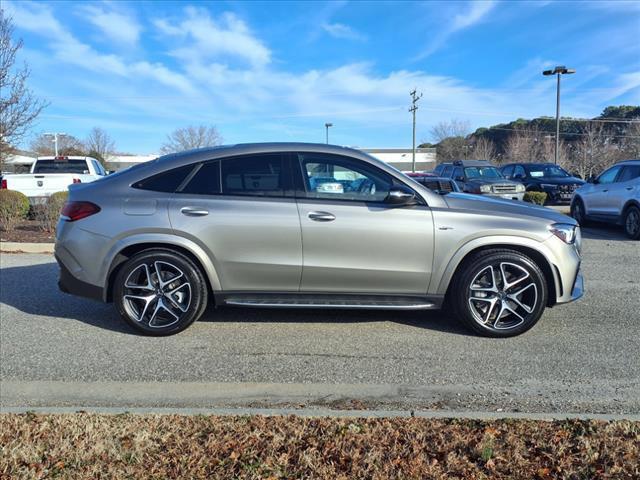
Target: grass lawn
(86,445)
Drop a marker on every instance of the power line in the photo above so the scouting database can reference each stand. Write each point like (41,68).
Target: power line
(561,134)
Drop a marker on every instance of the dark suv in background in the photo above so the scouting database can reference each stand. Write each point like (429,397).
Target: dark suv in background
(544,177)
(480,177)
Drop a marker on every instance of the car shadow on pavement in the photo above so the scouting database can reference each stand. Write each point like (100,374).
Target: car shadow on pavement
(33,289)
(603,231)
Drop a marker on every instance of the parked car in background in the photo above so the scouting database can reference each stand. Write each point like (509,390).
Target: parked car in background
(253,226)
(440,185)
(480,177)
(544,177)
(49,175)
(612,197)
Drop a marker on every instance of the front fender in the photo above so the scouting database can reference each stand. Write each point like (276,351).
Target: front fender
(447,270)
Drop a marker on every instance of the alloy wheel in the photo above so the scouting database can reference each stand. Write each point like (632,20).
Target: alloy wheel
(156,294)
(502,296)
(632,223)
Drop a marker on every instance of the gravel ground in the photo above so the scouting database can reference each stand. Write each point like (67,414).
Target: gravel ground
(58,350)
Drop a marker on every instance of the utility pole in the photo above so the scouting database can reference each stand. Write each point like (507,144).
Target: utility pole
(55,140)
(414,101)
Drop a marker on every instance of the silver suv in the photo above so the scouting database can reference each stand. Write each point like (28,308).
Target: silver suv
(613,197)
(306,225)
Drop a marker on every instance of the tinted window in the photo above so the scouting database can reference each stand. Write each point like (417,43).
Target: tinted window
(610,175)
(446,171)
(167,181)
(629,173)
(206,180)
(61,166)
(342,178)
(261,175)
(519,171)
(457,173)
(507,171)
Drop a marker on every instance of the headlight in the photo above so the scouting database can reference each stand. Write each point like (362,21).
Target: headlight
(485,188)
(549,186)
(565,232)
(520,187)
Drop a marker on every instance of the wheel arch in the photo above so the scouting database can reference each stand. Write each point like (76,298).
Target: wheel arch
(630,203)
(125,250)
(551,274)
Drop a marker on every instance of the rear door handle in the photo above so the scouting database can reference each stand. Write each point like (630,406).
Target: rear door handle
(628,188)
(605,191)
(322,216)
(194,211)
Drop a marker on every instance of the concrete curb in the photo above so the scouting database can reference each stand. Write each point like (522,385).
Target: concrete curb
(326,412)
(20,247)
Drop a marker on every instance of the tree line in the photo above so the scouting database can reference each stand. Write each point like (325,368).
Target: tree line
(587,146)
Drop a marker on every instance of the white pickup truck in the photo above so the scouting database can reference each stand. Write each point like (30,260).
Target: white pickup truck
(53,174)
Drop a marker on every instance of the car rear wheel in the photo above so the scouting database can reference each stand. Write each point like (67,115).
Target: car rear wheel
(499,293)
(632,222)
(160,292)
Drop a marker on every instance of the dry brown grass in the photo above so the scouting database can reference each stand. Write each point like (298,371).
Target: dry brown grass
(172,446)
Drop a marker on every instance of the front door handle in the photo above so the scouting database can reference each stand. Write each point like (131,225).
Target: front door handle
(628,188)
(605,191)
(194,211)
(322,216)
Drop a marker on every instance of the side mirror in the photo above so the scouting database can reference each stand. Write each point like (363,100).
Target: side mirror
(459,178)
(518,176)
(400,195)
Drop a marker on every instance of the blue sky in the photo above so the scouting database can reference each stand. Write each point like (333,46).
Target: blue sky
(264,71)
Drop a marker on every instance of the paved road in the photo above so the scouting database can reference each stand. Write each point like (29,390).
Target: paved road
(58,350)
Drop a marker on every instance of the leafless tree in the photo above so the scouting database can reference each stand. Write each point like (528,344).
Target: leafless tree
(67,145)
(191,137)
(594,151)
(451,128)
(18,106)
(484,149)
(99,144)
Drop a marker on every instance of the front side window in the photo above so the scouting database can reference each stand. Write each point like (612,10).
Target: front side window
(457,174)
(342,178)
(507,171)
(446,171)
(610,175)
(518,171)
(629,173)
(254,175)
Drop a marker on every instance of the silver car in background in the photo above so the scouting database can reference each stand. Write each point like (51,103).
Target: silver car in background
(308,225)
(612,197)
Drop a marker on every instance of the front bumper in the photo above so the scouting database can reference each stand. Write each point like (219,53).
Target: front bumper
(508,196)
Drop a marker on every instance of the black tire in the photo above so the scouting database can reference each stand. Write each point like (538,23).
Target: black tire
(578,212)
(468,307)
(631,222)
(182,298)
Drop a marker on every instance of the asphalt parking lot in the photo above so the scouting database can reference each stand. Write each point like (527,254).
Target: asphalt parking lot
(58,350)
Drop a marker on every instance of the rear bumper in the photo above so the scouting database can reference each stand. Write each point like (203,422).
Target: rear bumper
(70,284)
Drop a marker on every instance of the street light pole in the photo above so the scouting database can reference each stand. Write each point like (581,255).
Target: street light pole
(55,140)
(558,71)
(326,126)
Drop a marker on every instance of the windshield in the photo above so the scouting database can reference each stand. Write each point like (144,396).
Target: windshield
(482,172)
(547,171)
(61,166)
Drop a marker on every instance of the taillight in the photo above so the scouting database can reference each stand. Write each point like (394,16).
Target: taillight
(4,184)
(77,180)
(72,211)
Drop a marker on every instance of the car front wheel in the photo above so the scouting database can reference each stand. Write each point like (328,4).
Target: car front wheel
(578,212)
(632,222)
(499,293)
(160,292)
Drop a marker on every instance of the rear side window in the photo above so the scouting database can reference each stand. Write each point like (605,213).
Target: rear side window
(507,171)
(629,173)
(206,180)
(446,171)
(168,181)
(255,175)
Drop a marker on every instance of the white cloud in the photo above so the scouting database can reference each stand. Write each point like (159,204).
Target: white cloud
(340,30)
(225,37)
(116,26)
(476,13)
